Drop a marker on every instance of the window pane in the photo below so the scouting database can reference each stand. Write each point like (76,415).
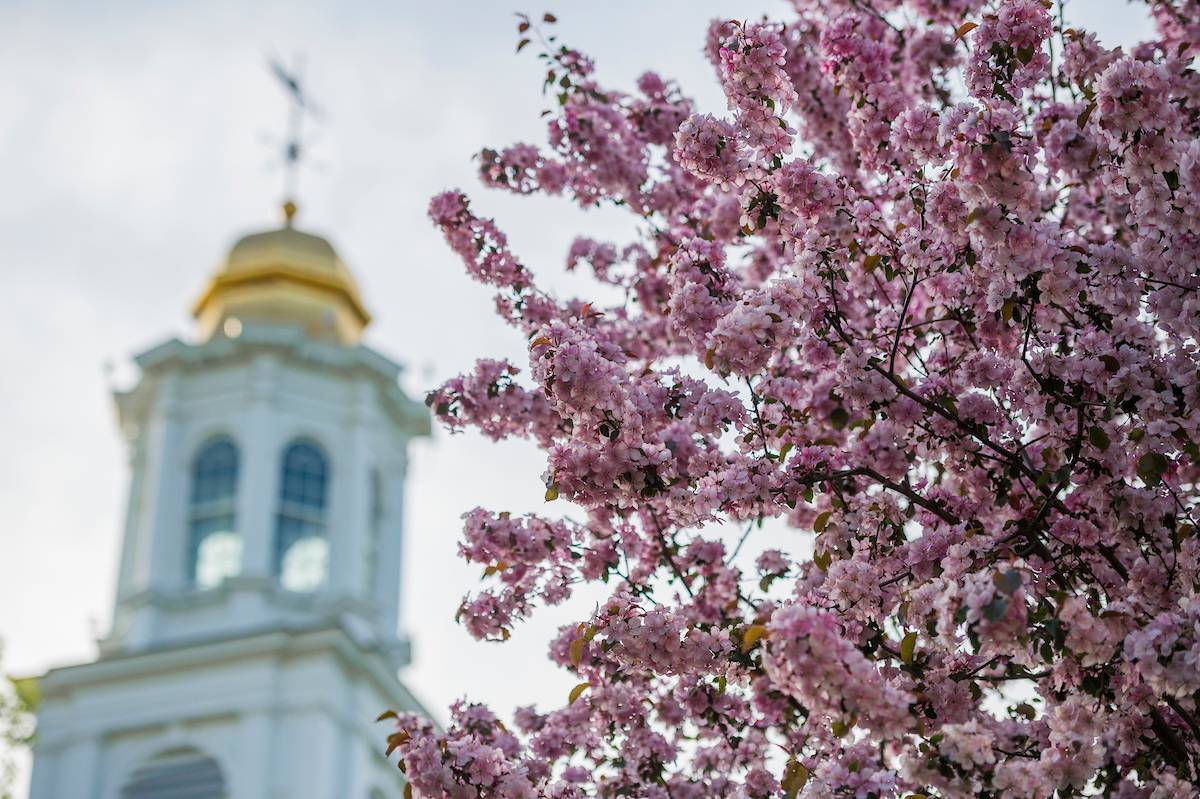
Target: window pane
(304,564)
(214,475)
(214,486)
(289,530)
(301,551)
(202,530)
(219,556)
(304,476)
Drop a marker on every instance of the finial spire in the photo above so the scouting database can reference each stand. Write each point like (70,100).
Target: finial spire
(289,212)
(299,104)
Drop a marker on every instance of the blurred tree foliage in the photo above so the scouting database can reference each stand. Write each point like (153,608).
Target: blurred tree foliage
(18,700)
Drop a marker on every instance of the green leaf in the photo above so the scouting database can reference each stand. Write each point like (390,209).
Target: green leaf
(395,741)
(577,650)
(908,646)
(996,609)
(1008,581)
(839,418)
(823,559)
(1151,466)
(821,521)
(1098,439)
(552,492)
(795,777)
(751,636)
(28,691)
(1083,118)
(577,691)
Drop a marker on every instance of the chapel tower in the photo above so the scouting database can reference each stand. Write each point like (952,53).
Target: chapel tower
(255,627)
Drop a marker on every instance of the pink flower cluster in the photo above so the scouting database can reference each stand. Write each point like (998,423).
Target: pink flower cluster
(886,454)
(711,150)
(810,659)
(757,86)
(490,400)
(477,241)
(473,761)
(1007,52)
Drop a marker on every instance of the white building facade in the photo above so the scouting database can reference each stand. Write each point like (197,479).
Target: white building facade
(255,628)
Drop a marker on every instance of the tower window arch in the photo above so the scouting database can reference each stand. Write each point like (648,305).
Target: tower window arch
(301,541)
(178,774)
(214,549)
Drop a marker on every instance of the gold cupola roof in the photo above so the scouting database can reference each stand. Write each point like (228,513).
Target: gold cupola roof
(283,276)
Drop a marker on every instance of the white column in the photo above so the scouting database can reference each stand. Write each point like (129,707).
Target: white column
(71,771)
(350,512)
(256,754)
(258,480)
(129,538)
(164,528)
(391,542)
(45,767)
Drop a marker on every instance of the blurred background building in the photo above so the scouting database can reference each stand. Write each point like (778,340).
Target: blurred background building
(255,627)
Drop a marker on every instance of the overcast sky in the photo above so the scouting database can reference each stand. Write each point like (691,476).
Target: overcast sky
(137,141)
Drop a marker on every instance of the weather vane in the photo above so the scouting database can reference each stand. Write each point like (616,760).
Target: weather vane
(299,104)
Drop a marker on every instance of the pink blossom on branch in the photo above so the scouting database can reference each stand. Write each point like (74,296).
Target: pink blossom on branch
(948,339)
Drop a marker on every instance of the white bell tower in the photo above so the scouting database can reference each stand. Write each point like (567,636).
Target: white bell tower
(255,628)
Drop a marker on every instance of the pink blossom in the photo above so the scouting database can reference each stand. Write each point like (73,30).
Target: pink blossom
(710,149)
(931,355)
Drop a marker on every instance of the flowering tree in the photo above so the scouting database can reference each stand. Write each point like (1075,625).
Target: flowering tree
(929,294)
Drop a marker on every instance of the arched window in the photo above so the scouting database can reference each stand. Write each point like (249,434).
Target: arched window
(214,548)
(178,774)
(301,546)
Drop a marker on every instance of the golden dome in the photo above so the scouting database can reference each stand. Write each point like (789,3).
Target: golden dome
(283,276)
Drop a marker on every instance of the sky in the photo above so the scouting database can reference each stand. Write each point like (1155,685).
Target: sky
(138,140)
